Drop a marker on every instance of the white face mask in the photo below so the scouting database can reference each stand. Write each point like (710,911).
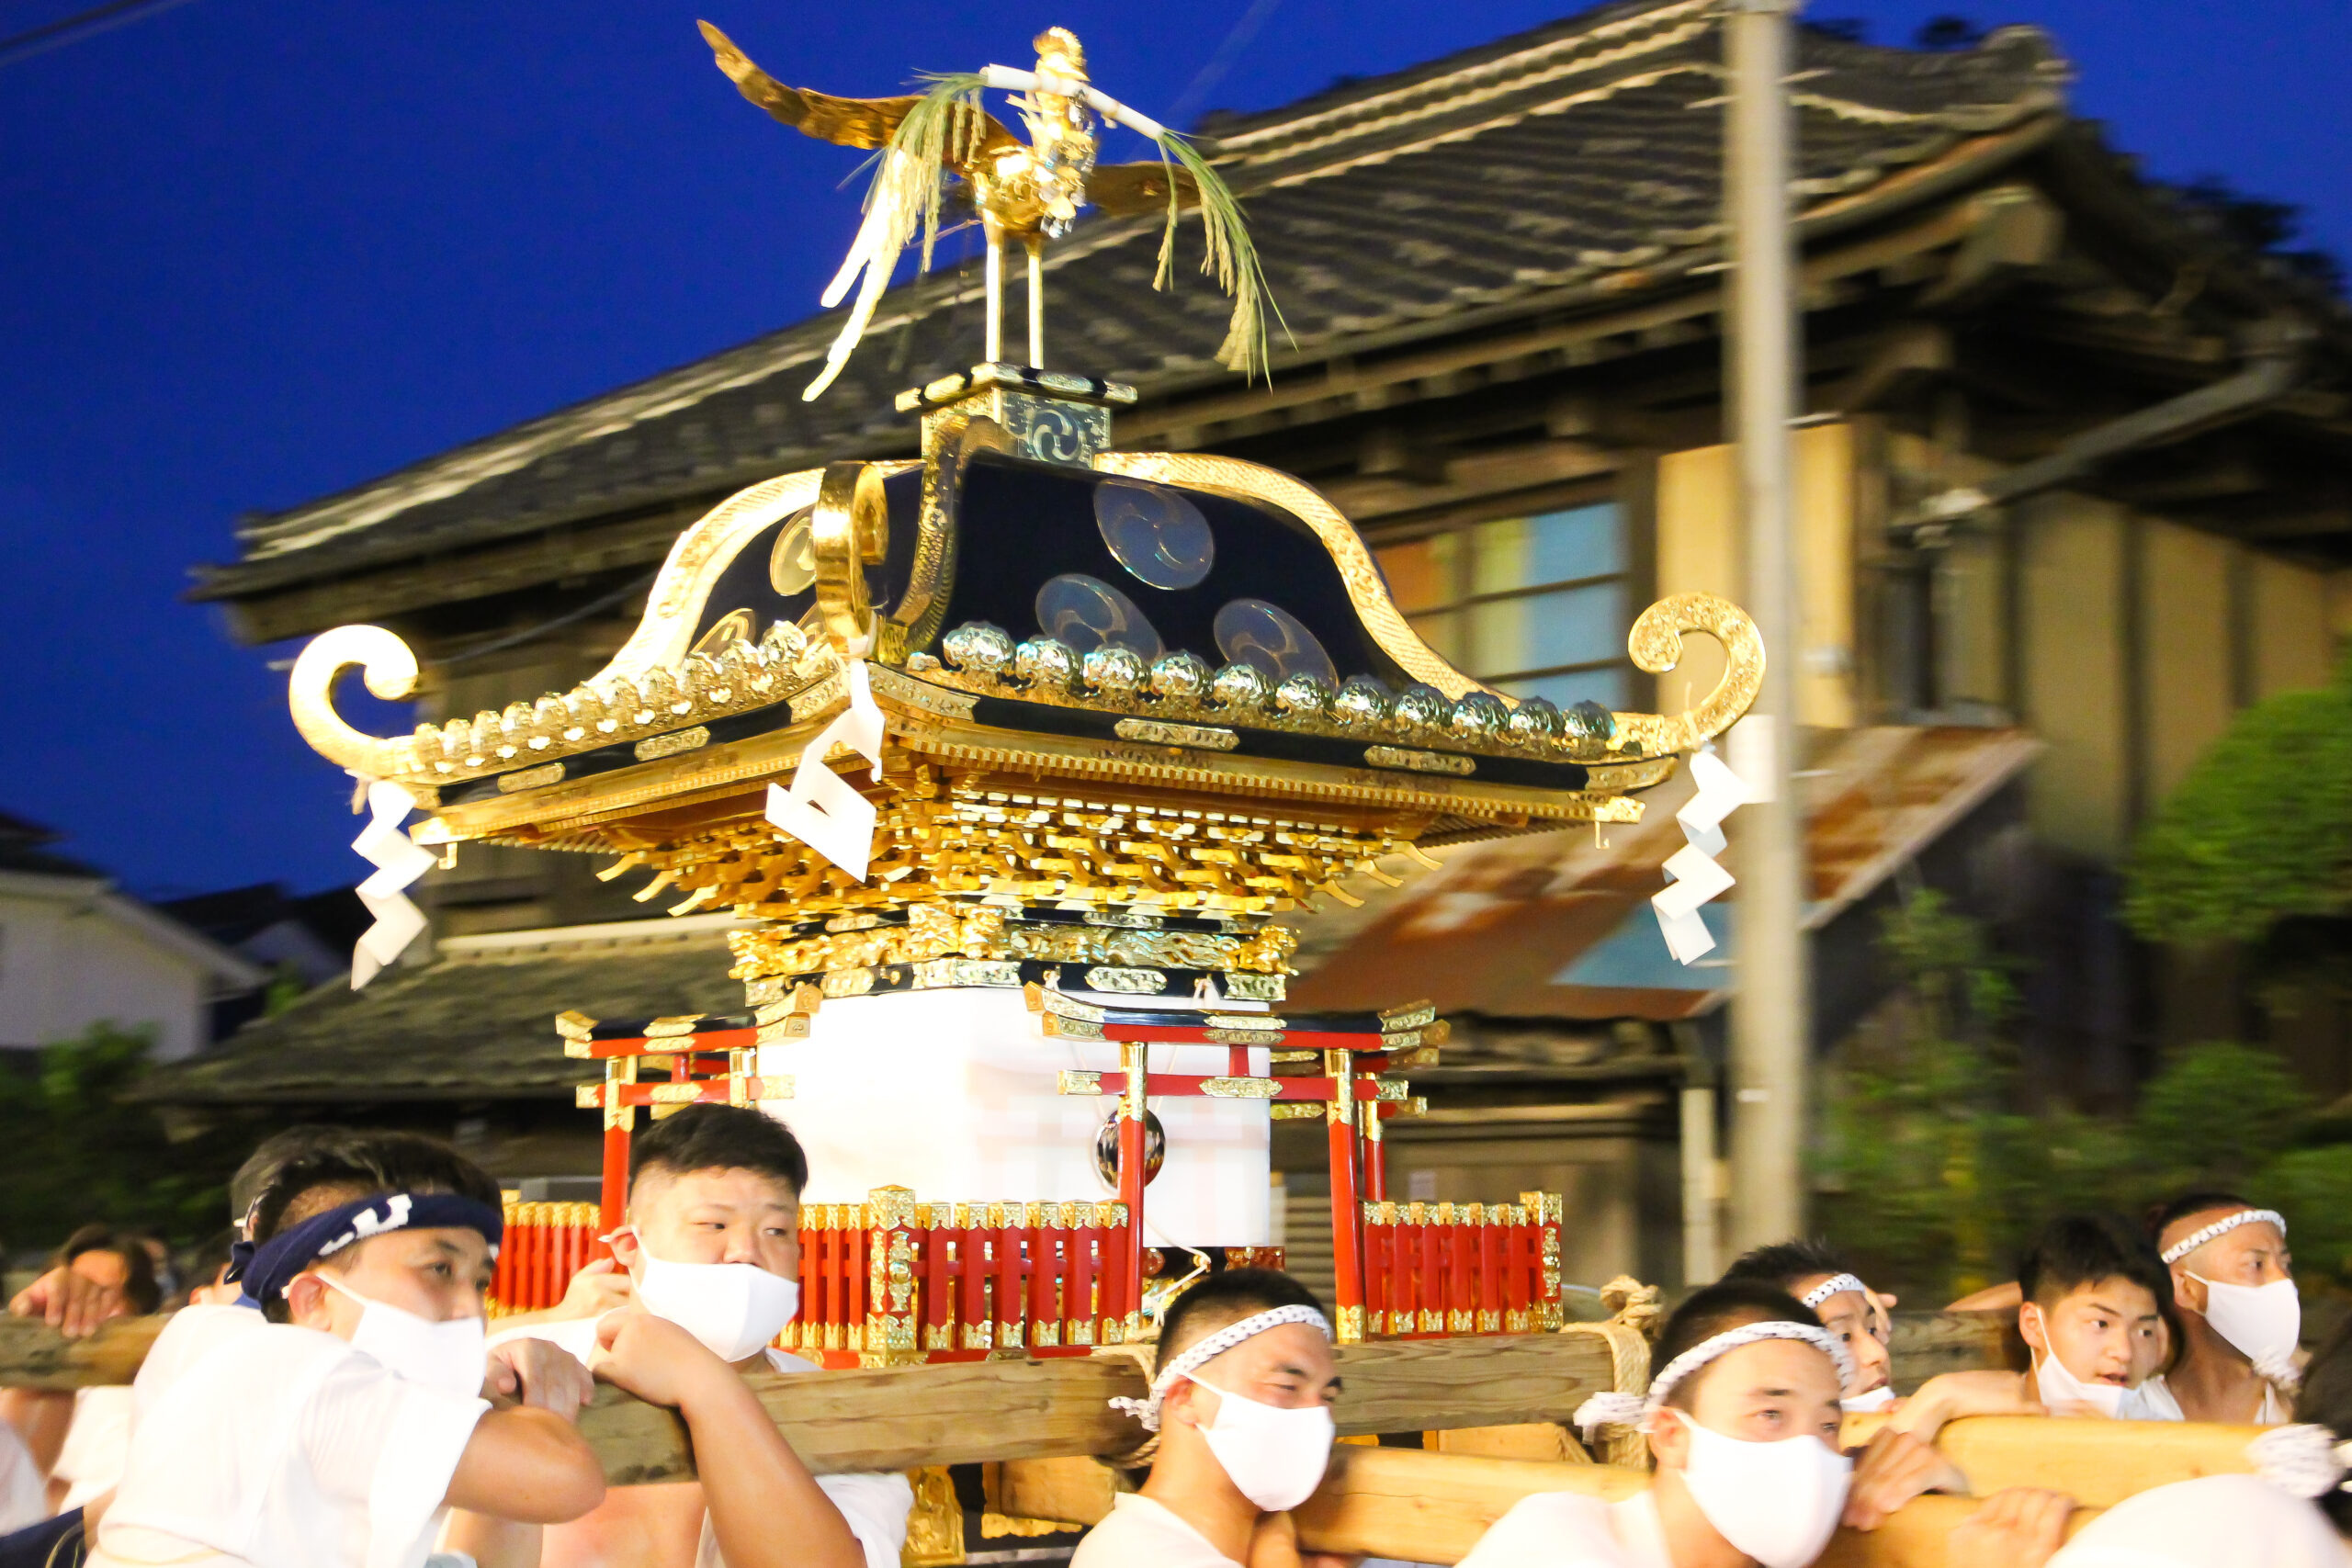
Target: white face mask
(1276,1457)
(2060,1387)
(447,1355)
(1878,1398)
(733,1308)
(2264,1322)
(1777,1502)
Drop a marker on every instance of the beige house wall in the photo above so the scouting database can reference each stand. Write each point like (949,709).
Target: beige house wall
(2076,692)
(1699,550)
(2293,640)
(2186,696)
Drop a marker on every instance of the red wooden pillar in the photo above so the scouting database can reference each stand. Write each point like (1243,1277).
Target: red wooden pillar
(1462,1268)
(937,1274)
(1011,1300)
(1431,1318)
(1047,1236)
(1122,1277)
(972,1259)
(619,1120)
(1133,1152)
(1490,1271)
(1519,1271)
(1376,1155)
(1347,1199)
(501,1274)
(1379,1267)
(1080,1309)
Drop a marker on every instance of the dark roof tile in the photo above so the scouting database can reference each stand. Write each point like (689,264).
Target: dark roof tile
(1405,199)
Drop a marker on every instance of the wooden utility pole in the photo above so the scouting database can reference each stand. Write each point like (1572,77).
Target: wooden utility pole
(1770,1018)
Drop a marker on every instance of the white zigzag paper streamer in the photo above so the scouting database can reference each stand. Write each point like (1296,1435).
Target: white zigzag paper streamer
(1691,870)
(820,810)
(400,860)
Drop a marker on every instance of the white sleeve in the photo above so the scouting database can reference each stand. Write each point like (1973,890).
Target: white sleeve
(391,1446)
(24,1497)
(1533,1534)
(876,1506)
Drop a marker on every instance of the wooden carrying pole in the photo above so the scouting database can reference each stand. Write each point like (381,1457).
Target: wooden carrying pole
(1432,1507)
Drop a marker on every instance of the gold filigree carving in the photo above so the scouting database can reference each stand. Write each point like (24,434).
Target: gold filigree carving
(1420,762)
(1241,1088)
(678,741)
(1134,982)
(1206,737)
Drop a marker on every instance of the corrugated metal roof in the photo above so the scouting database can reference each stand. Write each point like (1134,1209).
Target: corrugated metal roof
(1557,924)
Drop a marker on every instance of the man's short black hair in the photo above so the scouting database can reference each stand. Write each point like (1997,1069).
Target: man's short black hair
(1717,1309)
(1223,1299)
(270,1154)
(2174,1211)
(2076,1251)
(720,1138)
(1785,1262)
(359,1164)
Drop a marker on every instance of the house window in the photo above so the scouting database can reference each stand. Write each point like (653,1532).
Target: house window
(1535,606)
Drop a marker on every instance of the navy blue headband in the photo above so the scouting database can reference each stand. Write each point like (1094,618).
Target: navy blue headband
(265,1271)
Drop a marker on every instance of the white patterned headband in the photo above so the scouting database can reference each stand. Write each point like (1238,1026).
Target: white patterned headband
(2222,1227)
(1630,1409)
(2302,1461)
(1207,1350)
(1835,1285)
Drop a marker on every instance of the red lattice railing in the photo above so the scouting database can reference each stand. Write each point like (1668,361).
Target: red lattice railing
(546,1245)
(895,1280)
(1436,1269)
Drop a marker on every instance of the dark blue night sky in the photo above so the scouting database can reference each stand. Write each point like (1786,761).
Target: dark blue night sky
(253,251)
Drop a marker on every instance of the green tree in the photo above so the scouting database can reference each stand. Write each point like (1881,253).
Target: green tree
(1934,1171)
(2216,1116)
(2258,834)
(74,1148)
(1922,1154)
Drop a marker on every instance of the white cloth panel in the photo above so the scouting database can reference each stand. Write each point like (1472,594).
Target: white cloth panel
(953,1093)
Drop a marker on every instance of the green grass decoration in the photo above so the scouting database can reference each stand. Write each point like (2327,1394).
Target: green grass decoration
(949,118)
(1231,257)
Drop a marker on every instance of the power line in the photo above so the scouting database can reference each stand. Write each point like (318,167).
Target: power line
(81,25)
(1223,60)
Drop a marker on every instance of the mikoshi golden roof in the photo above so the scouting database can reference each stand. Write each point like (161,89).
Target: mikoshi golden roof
(1064,774)
(1100,761)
